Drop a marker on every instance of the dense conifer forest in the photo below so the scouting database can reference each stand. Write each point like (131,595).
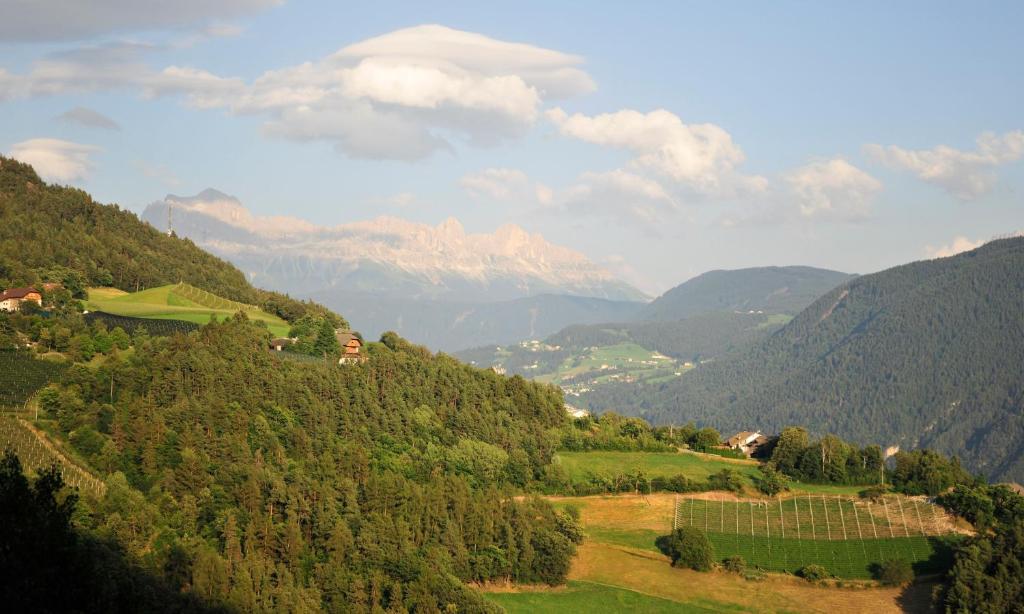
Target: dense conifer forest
(922,355)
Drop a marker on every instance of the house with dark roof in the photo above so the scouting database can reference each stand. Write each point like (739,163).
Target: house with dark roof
(351,345)
(12,298)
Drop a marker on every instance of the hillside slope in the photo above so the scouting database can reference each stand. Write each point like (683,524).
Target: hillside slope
(769,289)
(54,233)
(927,354)
(261,481)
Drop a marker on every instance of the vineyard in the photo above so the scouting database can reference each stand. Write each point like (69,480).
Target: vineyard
(155,327)
(208,299)
(38,453)
(21,374)
(844,535)
(180,302)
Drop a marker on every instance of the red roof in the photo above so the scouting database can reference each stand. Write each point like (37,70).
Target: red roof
(17,293)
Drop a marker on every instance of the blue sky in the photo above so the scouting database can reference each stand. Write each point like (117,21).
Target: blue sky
(660,139)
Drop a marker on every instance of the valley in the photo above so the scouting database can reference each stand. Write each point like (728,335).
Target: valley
(511,308)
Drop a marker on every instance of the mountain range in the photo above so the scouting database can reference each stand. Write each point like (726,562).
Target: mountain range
(437,285)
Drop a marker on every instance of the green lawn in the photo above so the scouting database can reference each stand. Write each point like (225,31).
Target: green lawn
(641,539)
(845,558)
(852,558)
(665,464)
(590,597)
(178,302)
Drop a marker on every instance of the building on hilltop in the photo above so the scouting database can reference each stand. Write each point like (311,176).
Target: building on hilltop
(12,299)
(351,345)
(747,442)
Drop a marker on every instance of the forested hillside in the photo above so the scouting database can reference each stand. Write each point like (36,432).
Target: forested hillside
(923,355)
(54,233)
(248,480)
(263,484)
(769,289)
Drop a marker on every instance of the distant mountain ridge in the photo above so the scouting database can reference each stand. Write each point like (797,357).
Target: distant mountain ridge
(776,289)
(386,256)
(698,321)
(926,354)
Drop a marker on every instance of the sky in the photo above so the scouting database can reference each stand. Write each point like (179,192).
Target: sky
(660,139)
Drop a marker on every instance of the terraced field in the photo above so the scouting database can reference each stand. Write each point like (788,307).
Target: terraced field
(178,302)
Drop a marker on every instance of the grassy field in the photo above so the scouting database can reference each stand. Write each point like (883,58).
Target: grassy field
(665,464)
(618,569)
(178,302)
(581,596)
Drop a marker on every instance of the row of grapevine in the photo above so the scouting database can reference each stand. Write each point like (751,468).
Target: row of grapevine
(207,299)
(155,327)
(22,374)
(846,536)
(37,453)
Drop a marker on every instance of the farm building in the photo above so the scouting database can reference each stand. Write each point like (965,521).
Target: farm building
(279,344)
(747,442)
(12,299)
(350,345)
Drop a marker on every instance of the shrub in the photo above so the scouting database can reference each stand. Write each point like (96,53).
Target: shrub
(735,564)
(726,479)
(687,547)
(895,572)
(813,573)
(771,481)
(874,493)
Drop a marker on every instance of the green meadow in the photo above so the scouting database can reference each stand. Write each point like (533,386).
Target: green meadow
(178,302)
(654,464)
(581,596)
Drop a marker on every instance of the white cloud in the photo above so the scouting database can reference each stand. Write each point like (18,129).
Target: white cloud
(54,159)
(543,194)
(620,194)
(89,118)
(967,175)
(496,183)
(50,20)
(701,157)
(958,245)
(961,244)
(402,95)
(832,189)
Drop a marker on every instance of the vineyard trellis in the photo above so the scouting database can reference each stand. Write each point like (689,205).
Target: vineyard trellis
(155,327)
(21,375)
(208,299)
(37,453)
(841,533)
